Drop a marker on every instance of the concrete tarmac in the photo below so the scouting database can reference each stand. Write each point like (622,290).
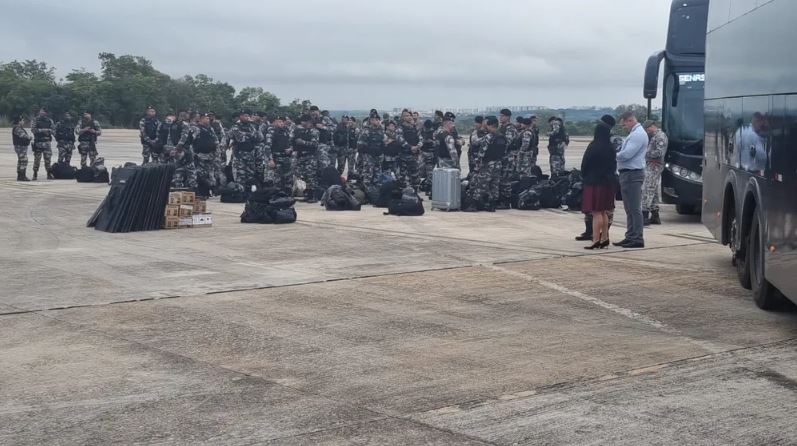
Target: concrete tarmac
(359,328)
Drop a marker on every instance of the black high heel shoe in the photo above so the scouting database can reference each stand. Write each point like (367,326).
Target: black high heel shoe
(605,244)
(596,245)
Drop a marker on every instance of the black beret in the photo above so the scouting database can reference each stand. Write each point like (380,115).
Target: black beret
(478,119)
(492,121)
(313,108)
(374,115)
(428,124)
(520,119)
(506,112)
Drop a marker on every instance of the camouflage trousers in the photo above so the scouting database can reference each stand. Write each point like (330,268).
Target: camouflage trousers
(307,170)
(370,168)
(390,164)
(557,159)
(486,181)
(42,149)
(408,170)
(428,162)
(22,158)
(282,173)
(208,169)
(509,164)
(184,172)
(65,150)
(525,161)
(325,157)
(346,155)
(447,163)
(87,150)
(651,187)
(473,157)
(247,168)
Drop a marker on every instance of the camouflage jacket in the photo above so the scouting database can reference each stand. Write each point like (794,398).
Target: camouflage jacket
(657,148)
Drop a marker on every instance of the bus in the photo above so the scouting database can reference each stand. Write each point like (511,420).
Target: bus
(682,103)
(750,164)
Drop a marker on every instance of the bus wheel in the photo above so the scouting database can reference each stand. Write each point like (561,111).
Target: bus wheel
(764,294)
(740,257)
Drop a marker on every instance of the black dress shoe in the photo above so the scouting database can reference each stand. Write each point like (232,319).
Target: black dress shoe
(622,242)
(584,237)
(634,245)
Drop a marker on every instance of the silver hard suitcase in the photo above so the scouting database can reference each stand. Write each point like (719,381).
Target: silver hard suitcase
(446,189)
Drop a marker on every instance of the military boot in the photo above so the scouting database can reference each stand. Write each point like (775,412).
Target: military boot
(655,219)
(35,175)
(50,175)
(21,176)
(503,204)
(646,218)
(587,234)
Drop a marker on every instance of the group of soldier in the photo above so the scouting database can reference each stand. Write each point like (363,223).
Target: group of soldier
(279,149)
(42,132)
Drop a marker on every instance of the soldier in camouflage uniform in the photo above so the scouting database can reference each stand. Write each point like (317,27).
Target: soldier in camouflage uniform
(479,131)
(247,159)
(88,131)
(409,139)
(392,149)
(428,154)
(557,144)
(181,154)
(509,163)
(205,149)
(370,148)
(447,156)
(341,141)
(148,133)
(305,143)
(65,138)
(325,127)
(279,154)
(485,184)
(529,141)
(354,135)
(21,140)
(42,129)
(654,165)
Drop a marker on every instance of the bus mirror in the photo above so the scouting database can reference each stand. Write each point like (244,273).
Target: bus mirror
(651,87)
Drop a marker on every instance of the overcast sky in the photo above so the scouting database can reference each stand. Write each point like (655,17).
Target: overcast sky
(358,54)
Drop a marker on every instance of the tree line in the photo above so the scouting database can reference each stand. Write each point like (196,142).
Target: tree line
(122,90)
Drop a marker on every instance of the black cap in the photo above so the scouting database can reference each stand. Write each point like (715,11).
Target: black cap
(211,114)
(492,121)
(313,108)
(280,118)
(608,120)
(478,119)
(450,116)
(506,112)
(428,124)
(520,119)
(438,113)
(244,112)
(149,107)
(554,118)
(374,115)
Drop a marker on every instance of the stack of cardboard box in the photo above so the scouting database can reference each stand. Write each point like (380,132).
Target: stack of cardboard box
(186,211)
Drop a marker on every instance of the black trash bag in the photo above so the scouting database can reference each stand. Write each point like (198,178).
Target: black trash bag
(529,200)
(407,204)
(63,171)
(340,198)
(574,196)
(232,193)
(282,216)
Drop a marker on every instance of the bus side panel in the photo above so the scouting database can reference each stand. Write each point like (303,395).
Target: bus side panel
(713,171)
(781,213)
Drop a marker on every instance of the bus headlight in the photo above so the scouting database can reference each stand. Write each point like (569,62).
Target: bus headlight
(684,173)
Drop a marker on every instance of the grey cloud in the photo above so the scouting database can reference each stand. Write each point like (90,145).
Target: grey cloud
(363,53)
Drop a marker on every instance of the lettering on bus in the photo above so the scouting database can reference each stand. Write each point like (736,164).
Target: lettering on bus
(684,79)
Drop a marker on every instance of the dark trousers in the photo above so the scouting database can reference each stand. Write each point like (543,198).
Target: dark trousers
(631,188)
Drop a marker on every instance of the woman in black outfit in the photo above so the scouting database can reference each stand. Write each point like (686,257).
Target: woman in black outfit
(599,170)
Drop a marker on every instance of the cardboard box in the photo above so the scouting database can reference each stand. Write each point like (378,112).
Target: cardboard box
(171,222)
(172,210)
(185,223)
(186,210)
(175,197)
(200,207)
(187,198)
(203,220)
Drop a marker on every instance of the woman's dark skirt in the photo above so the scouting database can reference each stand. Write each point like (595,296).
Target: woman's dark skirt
(598,198)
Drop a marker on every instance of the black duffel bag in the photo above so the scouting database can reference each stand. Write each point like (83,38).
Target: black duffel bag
(63,171)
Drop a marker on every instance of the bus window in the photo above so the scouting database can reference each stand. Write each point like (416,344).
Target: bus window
(753,137)
(731,123)
(684,107)
(784,139)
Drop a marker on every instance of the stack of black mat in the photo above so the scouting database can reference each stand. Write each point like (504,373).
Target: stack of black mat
(136,201)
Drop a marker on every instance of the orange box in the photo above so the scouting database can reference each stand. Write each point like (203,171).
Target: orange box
(187,197)
(175,197)
(171,222)
(172,210)
(200,207)
(186,210)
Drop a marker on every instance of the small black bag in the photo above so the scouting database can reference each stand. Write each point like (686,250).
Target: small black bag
(529,200)
(63,171)
(388,191)
(233,193)
(337,198)
(282,216)
(410,204)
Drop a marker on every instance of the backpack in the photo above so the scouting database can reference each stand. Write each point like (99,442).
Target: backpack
(409,204)
(338,198)
(523,184)
(387,192)
(573,197)
(63,171)
(529,200)
(233,193)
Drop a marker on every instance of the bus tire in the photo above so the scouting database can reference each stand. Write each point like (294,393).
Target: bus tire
(741,255)
(764,294)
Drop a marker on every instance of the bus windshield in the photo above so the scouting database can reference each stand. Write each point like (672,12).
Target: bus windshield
(683,118)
